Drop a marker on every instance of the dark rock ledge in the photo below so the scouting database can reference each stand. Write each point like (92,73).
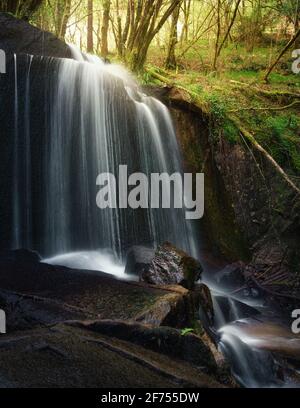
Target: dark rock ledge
(71,328)
(19,37)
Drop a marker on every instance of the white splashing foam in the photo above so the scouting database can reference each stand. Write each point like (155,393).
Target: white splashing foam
(91,261)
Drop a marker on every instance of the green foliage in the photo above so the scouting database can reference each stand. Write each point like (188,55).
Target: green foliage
(217,106)
(283,139)
(278,78)
(186,331)
(242,74)
(277,125)
(288,9)
(221,124)
(231,132)
(146,78)
(195,88)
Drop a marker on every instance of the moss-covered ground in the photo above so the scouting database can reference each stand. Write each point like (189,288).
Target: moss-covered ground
(270,111)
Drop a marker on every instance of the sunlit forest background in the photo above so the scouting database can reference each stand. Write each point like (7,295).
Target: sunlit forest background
(233,58)
(186,35)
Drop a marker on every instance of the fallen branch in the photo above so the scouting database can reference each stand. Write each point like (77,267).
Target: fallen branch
(172,84)
(266,108)
(160,77)
(278,93)
(269,158)
(272,292)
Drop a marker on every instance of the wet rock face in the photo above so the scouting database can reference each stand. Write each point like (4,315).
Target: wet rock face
(241,205)
(20,256)
(178,308)
(250,213)
(172,266)
(205,306)
(138,257)
(221,232)
(267,214)
(232,276)
(17,36)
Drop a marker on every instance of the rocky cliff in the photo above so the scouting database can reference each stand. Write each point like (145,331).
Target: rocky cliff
(251,213)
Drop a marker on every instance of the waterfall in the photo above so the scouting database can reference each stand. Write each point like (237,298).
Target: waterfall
(251,367)
(96,119)
(27,163)
(72,120)
(253,340)
(16,240)
(22,208)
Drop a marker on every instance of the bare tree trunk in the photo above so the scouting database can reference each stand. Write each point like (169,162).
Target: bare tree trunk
(186,12)
(130,7)
(219,48)
(104,29)
(230,26)
(90,30)
(59,11)
(98,34)
(218,34)
(119,31)
(170,62)
(148,21)
(65,19)
(286,48)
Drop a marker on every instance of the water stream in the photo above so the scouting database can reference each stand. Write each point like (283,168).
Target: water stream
(259,344)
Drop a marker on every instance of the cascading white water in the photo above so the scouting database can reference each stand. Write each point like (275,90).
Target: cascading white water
(16,239)
(27,163)
(22,208)
(252,367)
(249,337)
(97,119)
(91,261)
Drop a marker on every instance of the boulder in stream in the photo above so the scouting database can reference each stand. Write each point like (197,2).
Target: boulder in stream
(138,257)
(172,266)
